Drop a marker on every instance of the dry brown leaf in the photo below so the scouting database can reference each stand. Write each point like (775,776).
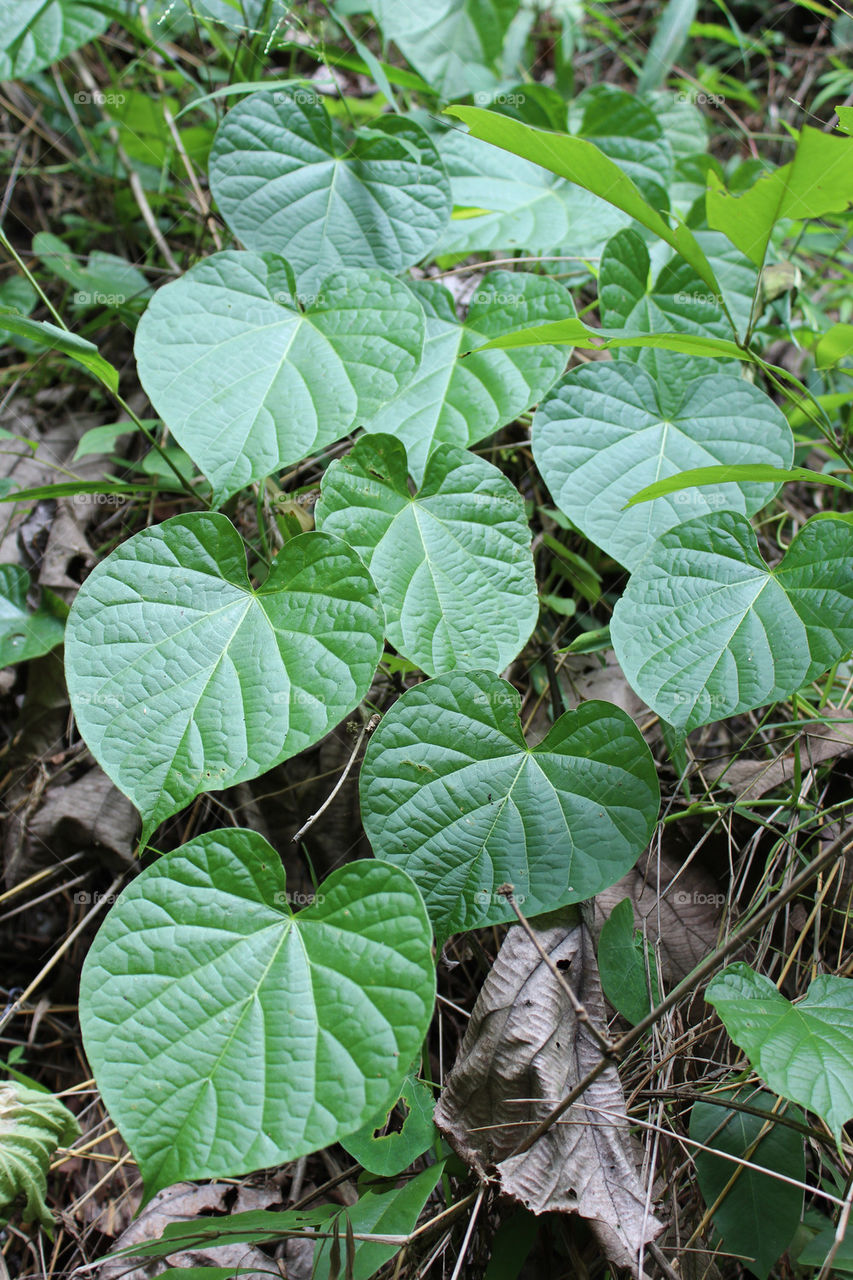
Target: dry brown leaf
(754,778)
(524,1049)
(677,907)
(182,1203)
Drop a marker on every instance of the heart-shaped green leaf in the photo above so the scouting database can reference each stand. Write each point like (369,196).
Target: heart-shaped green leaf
(627,130)
(247,382)
(23,634)
(704,629)
(505,202)
(453,564)
(602,434)
(456,45)
(460,395)
(39,32)
(227,1033)
(183,679)
(288,182)
(678,301)
(803,1051)
(451,792)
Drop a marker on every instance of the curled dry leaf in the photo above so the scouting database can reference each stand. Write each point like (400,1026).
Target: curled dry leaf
(524,1049)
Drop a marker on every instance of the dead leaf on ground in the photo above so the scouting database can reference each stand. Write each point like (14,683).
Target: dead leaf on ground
(183,1203)
(754,778)
(677,907)
(524,1049)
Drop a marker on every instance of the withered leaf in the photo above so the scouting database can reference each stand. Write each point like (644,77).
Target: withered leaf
(524,1049)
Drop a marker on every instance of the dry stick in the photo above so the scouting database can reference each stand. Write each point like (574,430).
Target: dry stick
(132,176)
(60,951)
(605,1044)
(201,200)
(463,1248)
(707,967)
(826,1270)
(368,728)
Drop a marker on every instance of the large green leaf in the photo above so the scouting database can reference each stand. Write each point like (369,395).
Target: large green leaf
(227,1033)
(453,564)
(505,202)
(451,792)
(760,1213)
(183,679)
(677,301)
(288,182)
(581,161)
(248,382)
(36,33)
(23,634)
(602,434)
(459,401)
(455,44)
(33,1123)
(704,629)
(818,181)
(803,1051)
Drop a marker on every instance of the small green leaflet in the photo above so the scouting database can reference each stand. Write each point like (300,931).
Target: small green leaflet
(183,679)
(289,182)
(283,1034)
(749,471)
(803,1051)
(602,433)
(622,965)
(451,792)
(23,634)
(760,1214)
(390,1153)
(454,561)
(39,32)
(459,395)
(818,181)
(33,1123)
(705,630)
(247,381)
(381,1209)
(49,335)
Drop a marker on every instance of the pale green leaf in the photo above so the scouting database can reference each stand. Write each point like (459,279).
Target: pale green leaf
(287,181)
(454,44)
(582,162)
(818,181)
(803,1051)
(248,382)
(602,433)
(226,1033)
(36,33)
(33,1124)
(459,395)
(451,792)
(184,679)
(452,563)
(705,630)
